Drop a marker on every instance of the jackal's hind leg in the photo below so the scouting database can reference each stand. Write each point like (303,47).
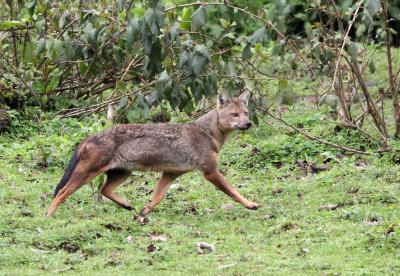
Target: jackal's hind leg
(216,178)
(115,177)
(163,184)
(77,180)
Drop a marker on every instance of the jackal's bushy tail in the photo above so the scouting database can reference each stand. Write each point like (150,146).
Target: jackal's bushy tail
(67,175)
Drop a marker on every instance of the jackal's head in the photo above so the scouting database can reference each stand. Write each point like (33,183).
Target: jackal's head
(233,114)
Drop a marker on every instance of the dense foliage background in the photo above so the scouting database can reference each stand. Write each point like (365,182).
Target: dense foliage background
(131,57)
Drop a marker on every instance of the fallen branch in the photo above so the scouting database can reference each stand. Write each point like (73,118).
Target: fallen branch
(318,139)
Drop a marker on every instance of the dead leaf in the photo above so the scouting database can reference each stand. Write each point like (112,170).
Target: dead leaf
(328,207)
(129,239)
(40,230)
(301,164)
(97,197)
(179,187)
(228,206)
(289,226)
(104,198)
(278,191)
(226,266)
(152,248)
(84,256)
(209,210)
(371,222)
(204,245)
(283,110)
(111,227)
(266,217)
(311,99)
(277,165)
(70,247)
(39,251)
(141,220)
(305,249)
(156,237)
(315,168)
(63,270)
(43,196)
(27,214)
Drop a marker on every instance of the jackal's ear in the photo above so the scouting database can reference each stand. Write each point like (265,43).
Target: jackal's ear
(223,99)
(244,97)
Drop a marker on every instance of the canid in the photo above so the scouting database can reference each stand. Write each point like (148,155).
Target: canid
(173,149)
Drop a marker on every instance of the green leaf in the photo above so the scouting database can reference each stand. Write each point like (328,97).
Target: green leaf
(120,4)
(225,24)
(149,17)
(159,15)
(10,24)
(28,57)
(122,103)
(130,36)
(373,6)
(393,31)
(186,13)
(246,53)
(202,50)
(331,100)
(41,46)
(65,19)
(43,100)
(199,18)
(163,78)
(292,61)
(394,12)
(258,36)
(31,7)
(40,26)
(199,62)
(352,50)
(142,105)
(371,67)
(184,58)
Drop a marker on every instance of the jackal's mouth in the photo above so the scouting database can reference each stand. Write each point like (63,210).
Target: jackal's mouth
(243,127)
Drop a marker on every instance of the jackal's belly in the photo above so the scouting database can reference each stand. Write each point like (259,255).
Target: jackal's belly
(152,161)
(165,167)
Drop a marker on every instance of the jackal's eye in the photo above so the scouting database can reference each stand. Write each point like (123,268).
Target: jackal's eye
(235,115)
(246,113)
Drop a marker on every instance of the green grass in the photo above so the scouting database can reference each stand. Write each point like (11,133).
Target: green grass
(360,237)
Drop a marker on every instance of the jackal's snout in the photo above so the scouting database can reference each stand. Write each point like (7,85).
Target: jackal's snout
(244,126)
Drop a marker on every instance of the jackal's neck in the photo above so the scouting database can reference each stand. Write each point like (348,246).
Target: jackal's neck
(209,122)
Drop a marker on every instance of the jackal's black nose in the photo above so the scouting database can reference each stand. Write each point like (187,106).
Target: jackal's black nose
(248,125)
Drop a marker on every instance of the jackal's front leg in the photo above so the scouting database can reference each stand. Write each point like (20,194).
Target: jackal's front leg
(220,182)
(163,184)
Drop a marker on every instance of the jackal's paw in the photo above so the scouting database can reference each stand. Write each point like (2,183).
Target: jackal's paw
(253,206)
(128,207)
(145,211)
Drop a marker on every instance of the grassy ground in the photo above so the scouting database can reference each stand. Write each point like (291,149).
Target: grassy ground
(90,237)
(288,235)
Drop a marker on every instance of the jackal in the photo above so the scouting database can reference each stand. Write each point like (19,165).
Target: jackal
(173,149)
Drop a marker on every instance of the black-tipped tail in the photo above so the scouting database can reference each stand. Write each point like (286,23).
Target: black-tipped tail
(67,175)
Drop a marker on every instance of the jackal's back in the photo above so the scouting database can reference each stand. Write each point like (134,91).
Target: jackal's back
(151,147)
